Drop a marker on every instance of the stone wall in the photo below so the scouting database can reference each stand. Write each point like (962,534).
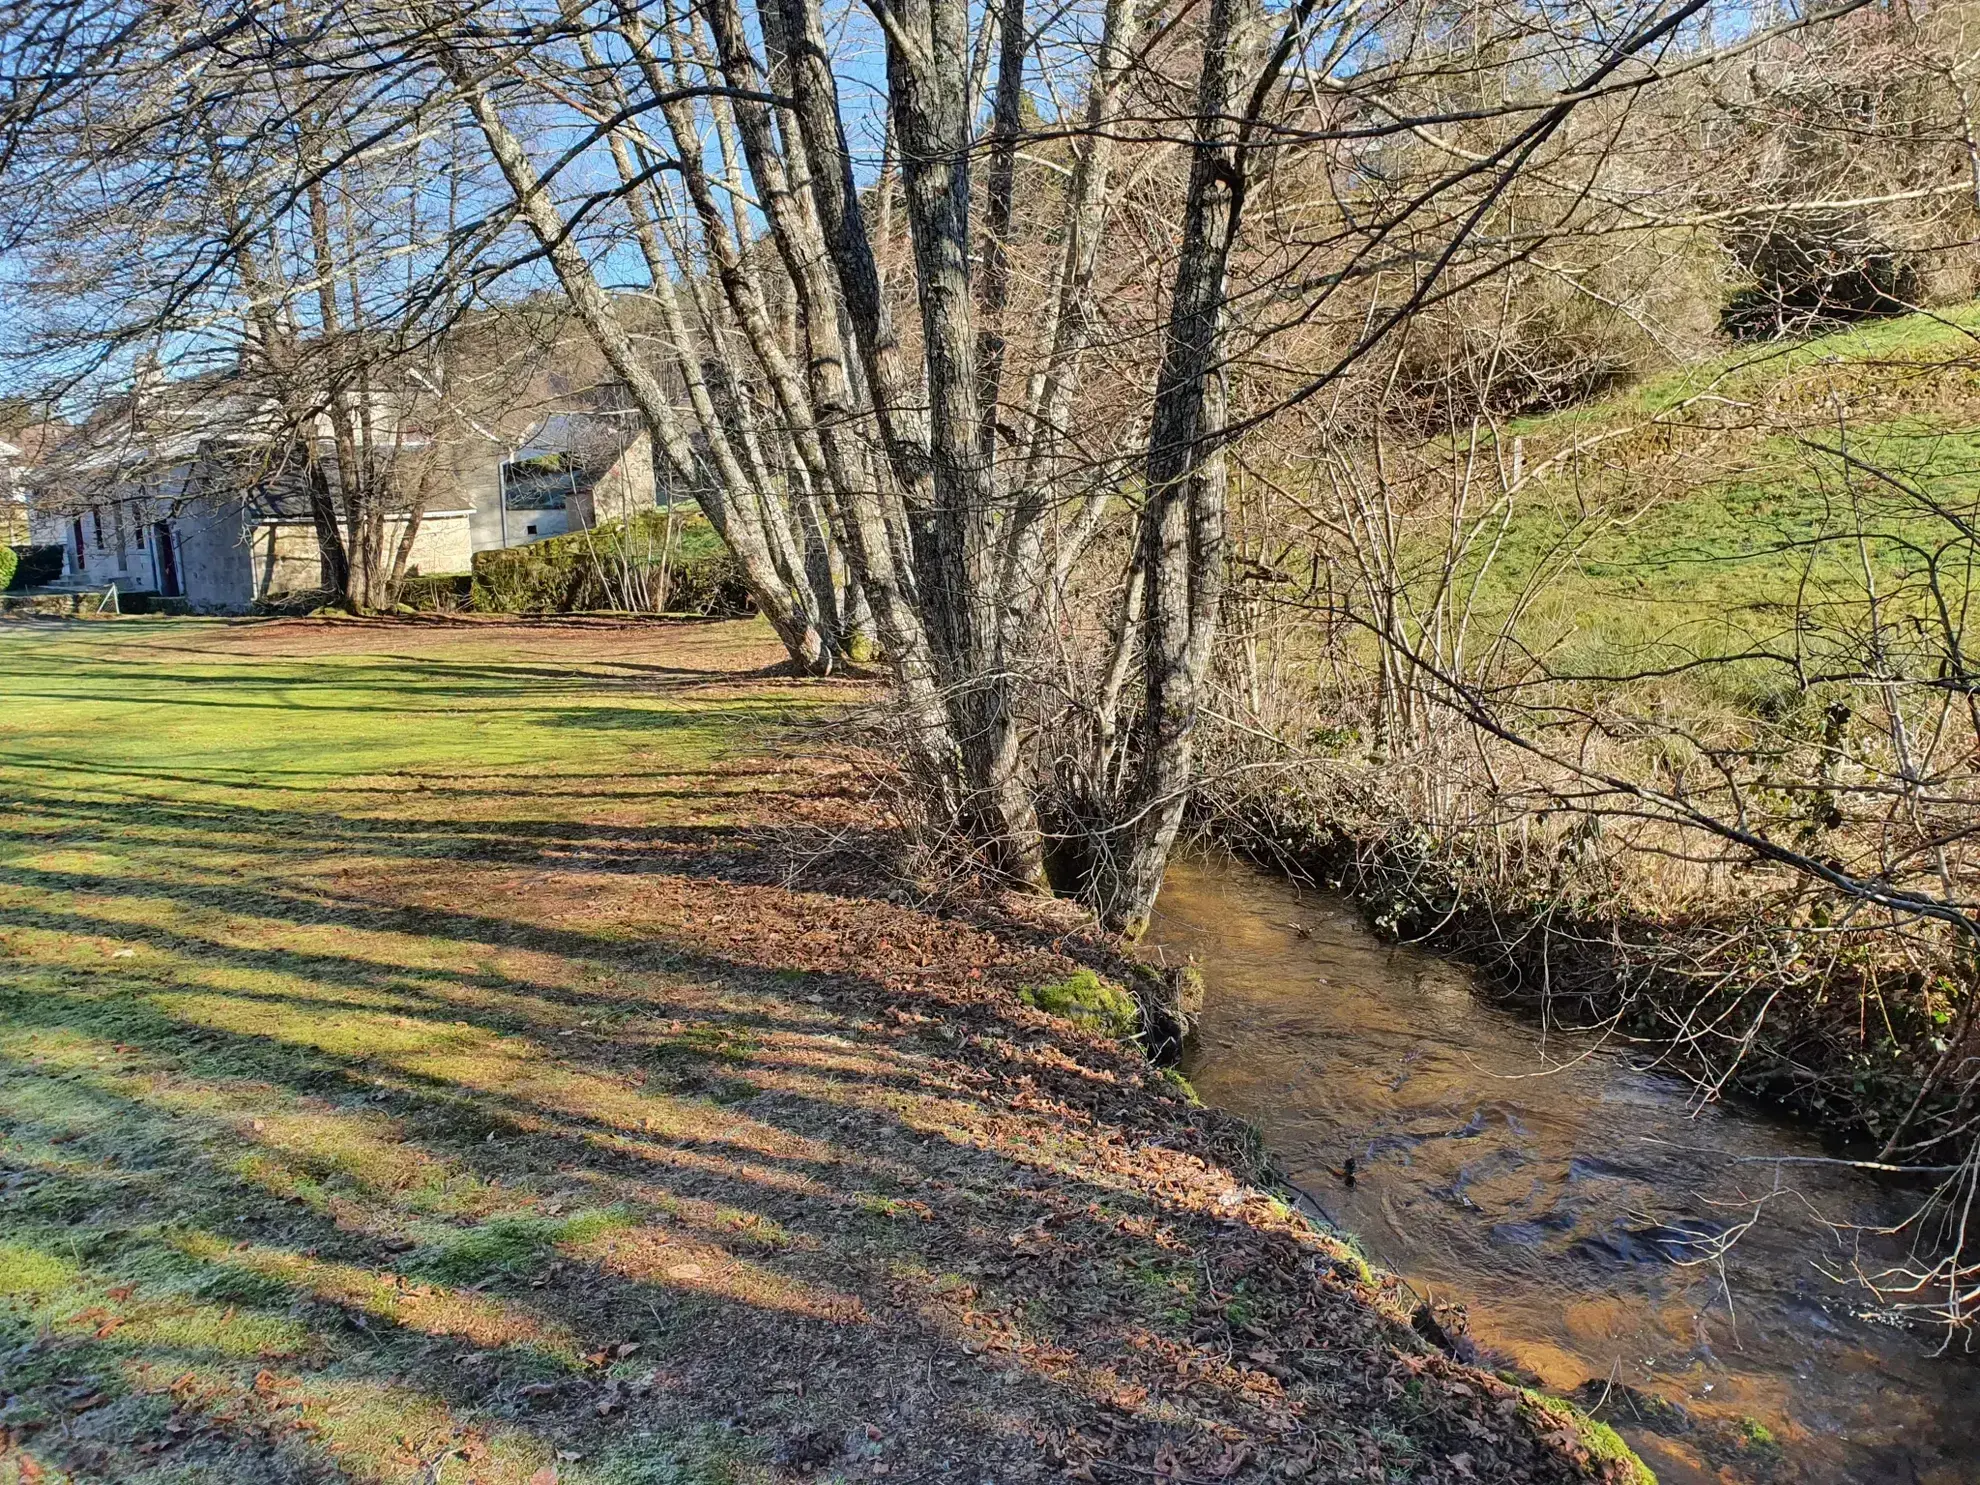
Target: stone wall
(288,559)
(624,490)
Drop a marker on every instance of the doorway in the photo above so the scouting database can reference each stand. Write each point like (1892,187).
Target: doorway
(168,560)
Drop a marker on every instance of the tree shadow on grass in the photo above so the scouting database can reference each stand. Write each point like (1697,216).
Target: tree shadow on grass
(432,780)
(255,1190)
(353,1141)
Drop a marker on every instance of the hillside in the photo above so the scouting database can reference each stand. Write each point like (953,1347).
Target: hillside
(1716,509)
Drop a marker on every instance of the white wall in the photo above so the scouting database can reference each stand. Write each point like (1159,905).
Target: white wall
(116,546)
(285,556)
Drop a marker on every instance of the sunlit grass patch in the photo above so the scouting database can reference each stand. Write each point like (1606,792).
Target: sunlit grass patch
(277,979)
(316,1156)
(511,1245)
(413,1301)
(385,1431)
(33,1271)
(694,1269)
(224,1326)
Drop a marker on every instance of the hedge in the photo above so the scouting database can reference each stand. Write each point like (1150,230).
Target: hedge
(613,566)
(448,593)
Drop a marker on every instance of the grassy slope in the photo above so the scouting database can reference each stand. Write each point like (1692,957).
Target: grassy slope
(1697,518)
(414,1065)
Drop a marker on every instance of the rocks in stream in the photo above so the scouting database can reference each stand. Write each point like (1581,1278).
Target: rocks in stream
(1656,1243)
(1447,1327)
(1171,1002)
(1621,1403)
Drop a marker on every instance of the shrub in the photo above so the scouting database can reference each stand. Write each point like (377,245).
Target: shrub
(1807,274)
(33,566)
(712,586)
(446,593)
(613,566)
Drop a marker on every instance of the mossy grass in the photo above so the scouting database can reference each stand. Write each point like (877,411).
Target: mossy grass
(1085,997)
(1603,1444)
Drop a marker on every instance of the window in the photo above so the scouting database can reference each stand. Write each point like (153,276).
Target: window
(532,531)
(137,531)
(96,519)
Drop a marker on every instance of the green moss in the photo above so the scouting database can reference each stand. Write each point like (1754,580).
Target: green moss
(1183,1086)
(1084,997)
(1162,1286)
(25,1270)
(1603,1443)
(1756,1436)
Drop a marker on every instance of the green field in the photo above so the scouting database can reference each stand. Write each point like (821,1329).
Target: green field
(1730,505)
(278,1000)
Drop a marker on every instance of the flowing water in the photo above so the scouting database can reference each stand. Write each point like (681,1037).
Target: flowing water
(1570,1201)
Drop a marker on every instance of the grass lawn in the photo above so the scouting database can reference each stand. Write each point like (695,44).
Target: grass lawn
(418,1064)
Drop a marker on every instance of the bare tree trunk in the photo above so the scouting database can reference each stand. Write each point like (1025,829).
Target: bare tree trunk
(870,505)
(1001,195)
(357,557)
(794,34)
(335,559)
(927,68)
(1182,518)
(594,307)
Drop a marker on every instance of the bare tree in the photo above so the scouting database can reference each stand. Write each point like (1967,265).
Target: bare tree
(1012,458)
(282,234)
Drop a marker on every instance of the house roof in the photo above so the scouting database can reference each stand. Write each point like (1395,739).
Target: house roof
(283,495)
(565,455)
(463,513)
(164,425)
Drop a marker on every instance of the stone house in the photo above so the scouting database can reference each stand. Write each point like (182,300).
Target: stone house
(189,502)
(573,471)
(222,554)
(189,490)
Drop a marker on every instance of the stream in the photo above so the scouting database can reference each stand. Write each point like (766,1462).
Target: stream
(1572,1203)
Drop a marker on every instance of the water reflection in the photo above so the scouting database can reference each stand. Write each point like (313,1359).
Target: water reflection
(1600,1231)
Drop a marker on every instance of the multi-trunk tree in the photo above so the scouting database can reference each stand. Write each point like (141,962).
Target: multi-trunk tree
(996,454)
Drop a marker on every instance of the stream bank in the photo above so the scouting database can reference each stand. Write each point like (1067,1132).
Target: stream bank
(509,1053)
(1661,1261)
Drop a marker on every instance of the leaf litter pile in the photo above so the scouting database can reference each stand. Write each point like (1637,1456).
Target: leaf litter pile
(526,1067)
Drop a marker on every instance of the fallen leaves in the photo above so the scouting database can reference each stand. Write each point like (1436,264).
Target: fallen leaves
(1061,1240)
